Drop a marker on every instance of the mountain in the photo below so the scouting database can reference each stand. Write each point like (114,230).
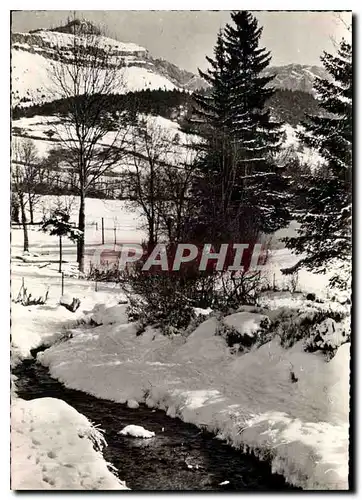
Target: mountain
(295,76)
(181,77)
(33,54)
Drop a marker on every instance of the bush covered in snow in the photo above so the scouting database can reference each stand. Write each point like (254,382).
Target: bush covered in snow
(328,335)
(242,330)
(320,327)
(170,313)
(164,300)
(234,339)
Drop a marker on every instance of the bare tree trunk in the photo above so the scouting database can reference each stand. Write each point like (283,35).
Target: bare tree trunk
(23,222)
(151,237)
(31,209)
(60,253)
(81,227)
(15,210)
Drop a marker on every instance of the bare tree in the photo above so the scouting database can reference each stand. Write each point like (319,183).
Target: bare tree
(92,133)
(151,146)
(26,175)
(177,203)
(161,174)
(34,176)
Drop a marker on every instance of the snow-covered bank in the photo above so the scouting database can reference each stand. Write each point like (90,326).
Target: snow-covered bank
(35,326)
(54,447)
(250,400)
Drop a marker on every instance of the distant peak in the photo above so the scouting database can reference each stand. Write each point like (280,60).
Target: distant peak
(77,27)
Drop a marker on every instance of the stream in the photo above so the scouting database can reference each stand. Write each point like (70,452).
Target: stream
(179,457)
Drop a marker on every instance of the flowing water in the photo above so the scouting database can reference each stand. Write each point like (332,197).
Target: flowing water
(179,457)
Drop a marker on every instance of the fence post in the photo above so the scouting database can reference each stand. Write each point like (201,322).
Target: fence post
(102,231)
(62,283)
(115,235)
(60,253)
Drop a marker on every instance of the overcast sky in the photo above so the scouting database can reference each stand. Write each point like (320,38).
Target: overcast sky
(185,37)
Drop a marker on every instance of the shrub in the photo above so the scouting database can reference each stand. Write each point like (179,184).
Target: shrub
(109,273)
(158,300)
(320,328)
(328,335)
(237,341)
(236,289)
(24,298)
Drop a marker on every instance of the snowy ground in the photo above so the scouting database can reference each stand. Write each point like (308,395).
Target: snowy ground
(247,399)
(55,447)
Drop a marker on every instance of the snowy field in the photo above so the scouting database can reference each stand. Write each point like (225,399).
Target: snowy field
(160,129)
(246,399)
(124,224)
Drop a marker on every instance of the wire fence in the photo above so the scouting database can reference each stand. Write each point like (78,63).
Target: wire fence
(104,230)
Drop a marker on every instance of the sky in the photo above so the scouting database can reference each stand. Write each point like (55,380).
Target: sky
(185,37)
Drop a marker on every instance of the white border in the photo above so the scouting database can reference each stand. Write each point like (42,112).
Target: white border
(185,5)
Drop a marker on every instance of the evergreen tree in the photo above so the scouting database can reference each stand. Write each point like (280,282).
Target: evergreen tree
(240,136)
(325,232)
(215,109)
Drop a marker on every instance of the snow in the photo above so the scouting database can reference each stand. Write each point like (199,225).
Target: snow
(53,448)
(31,78)
(136,431)
(34,326)
(131,403)
(305,154)
(141,78)
(244,322)
(104,315)
(66,39)
(246,399)
(160,128)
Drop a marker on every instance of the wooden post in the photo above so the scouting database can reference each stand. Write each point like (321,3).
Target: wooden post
(62,283)
(60,253)
(115,235)
(96,286)
(102,231)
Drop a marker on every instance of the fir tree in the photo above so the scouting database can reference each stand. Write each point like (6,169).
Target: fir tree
(325,232)
(241,138)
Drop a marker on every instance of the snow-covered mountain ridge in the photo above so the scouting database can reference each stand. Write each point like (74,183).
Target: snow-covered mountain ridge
(296,76)
(33,54)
